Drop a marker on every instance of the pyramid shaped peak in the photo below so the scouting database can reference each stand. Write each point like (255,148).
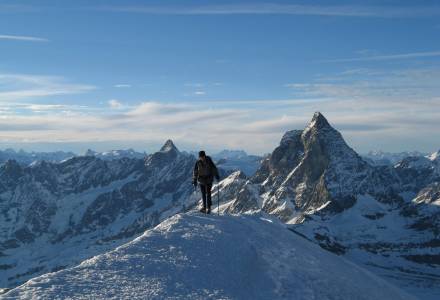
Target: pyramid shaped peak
(169,146)
(319,120)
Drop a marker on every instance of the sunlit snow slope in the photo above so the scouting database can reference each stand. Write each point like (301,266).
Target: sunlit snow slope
(197,257)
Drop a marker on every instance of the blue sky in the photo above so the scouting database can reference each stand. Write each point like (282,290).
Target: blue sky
(217,74)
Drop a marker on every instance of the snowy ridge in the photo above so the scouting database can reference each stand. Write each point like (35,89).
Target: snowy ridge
(27,158)
(435,156)
(198,257)
(116,154)
(387,158)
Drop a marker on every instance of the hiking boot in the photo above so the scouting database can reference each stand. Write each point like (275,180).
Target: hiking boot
(203,210)
(208,211)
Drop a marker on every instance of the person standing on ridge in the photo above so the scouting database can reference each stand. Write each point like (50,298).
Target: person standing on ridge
(203,174)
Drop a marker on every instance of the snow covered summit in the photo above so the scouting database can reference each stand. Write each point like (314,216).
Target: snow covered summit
(168,146)
(435,156)
(201,257)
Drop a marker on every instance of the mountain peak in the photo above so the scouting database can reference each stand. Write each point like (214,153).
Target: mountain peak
(90,152)
(169,146)
(318,121)
(11,164)
(434,156)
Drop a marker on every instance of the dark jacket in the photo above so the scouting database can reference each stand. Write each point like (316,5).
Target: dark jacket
(204,172)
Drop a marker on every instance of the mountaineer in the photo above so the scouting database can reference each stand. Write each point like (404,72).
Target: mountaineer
(204,173)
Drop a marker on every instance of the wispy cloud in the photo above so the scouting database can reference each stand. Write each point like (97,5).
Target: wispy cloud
(115,104)
(396,85)
(372,107)
(122,85)
(387,57)
(23,86)
(253,128)
(285,9)
(152,120)
(22,38)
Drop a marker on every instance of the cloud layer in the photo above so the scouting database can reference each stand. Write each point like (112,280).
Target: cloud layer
(373,108)
(388,57)
(25,86)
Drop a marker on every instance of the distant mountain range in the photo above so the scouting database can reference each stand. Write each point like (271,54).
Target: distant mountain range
(116,154)
(228,160)
(237,160)
(26,158)
(382,217)
(388,158)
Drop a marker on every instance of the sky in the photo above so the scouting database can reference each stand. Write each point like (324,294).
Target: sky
(217,75)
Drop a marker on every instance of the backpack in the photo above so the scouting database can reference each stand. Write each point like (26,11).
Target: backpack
(204,168)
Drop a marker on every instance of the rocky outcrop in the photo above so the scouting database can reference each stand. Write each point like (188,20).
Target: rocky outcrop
(314,168)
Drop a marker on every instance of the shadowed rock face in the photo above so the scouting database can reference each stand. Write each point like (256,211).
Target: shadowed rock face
(310,168)
(283,159)
(10,173)
(315,168)
(167,153)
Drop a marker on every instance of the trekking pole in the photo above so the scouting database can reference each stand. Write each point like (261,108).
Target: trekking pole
(205,200)
(195,194)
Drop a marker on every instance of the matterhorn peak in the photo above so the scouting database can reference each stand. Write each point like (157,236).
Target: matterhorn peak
(318,121)
(318,124)
(168,147)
